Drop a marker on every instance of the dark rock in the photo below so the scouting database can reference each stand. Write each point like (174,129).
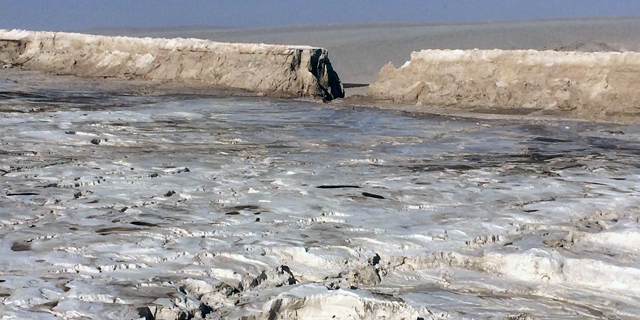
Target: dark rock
(333,286)
(375,260)
(169,193)
(205,310)
(185,316)
(228,290)
(95,141)
(282,270)
(258,280)
(146,313)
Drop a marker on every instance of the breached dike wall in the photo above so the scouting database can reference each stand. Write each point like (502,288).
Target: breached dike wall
(292,70)
(595,83)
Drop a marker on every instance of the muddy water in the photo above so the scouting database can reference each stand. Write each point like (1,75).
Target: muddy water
(115,205)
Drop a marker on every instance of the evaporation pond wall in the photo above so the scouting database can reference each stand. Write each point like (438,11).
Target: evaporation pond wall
(294,70)
(596,82)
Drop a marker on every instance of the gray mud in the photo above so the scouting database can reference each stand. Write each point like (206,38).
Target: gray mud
(117,205)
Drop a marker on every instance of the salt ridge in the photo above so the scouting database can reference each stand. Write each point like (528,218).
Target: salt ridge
(591,84)
(273,69)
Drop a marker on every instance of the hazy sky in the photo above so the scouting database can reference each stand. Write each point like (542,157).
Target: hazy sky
(83,14)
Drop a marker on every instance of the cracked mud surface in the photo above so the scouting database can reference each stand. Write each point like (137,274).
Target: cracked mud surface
(170,206)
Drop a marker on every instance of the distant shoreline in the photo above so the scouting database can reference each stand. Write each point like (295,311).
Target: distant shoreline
(328,26)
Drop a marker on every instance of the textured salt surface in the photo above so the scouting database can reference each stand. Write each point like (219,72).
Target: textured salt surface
(119,206)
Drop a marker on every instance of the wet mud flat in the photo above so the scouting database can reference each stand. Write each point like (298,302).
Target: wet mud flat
(174,205)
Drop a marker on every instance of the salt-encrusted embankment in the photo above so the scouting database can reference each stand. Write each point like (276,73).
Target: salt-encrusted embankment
(594,83)
(292,70)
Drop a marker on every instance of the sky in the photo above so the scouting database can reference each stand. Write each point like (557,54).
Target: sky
(77,15)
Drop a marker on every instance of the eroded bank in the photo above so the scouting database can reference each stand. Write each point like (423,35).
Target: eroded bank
(590,85)
(299,71)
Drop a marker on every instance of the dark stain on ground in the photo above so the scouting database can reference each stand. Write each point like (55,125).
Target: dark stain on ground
(49,305)
(143,224)
(550,140)
(338,187)
(428,168)
(371,195)
(20,246)
(107,231)
(13,194)
(245,207)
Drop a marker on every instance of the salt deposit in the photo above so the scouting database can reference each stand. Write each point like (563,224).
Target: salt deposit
(272,69)
(589,84)
(116,204)
(203,207)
